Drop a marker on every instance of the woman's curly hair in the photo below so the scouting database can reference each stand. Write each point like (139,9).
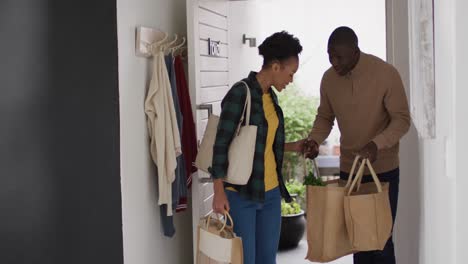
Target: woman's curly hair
(279,47)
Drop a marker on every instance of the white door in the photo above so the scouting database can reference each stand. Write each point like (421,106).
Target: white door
(223,23)
(208,82)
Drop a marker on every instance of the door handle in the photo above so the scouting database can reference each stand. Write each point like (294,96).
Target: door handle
(205,180)
(208,107)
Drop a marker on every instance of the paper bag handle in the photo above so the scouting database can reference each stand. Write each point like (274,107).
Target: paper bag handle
(304,167)
(226,217)
(353,168)
(360,174)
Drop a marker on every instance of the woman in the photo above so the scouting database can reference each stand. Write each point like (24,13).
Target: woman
(256,206)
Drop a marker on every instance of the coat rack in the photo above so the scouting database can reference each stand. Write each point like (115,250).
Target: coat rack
(146,37)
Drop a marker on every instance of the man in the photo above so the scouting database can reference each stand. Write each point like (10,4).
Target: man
(368,100)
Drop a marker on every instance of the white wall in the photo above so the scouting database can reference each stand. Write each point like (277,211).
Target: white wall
(144,242)
(440,172)
(312,23)
(407,235)
(431,219)
(243,19)
(461,108)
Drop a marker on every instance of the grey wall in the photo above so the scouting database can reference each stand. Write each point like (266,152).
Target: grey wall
(60,198)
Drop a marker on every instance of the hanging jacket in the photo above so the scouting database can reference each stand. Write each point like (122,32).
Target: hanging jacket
(189,136)
(165,144)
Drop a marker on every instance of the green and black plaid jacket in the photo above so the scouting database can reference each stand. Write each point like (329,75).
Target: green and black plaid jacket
(232,107)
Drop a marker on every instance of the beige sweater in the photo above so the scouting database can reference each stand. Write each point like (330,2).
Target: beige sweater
(369,104)
(163,131)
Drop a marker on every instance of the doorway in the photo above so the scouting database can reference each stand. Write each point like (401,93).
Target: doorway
(312,22)
(227,22)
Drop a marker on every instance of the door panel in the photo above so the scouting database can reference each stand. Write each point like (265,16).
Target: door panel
(207,203)
(219,7)
(208,82)
(213,94)
(211,76)
(210,79)
(212,18)
(213,64)
(213,32)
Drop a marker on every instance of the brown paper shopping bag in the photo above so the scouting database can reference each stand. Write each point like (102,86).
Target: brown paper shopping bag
(327,236)
(367,212)
(217,242)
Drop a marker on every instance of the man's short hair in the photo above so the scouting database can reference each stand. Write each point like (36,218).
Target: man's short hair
(343,36)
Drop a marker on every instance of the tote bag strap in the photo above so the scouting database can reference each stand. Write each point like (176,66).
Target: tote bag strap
(315,167)
(247,107)
(353,169)
(360,173)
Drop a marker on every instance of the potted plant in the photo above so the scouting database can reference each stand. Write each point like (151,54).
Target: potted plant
(292,217)
(292,225)
(297,190)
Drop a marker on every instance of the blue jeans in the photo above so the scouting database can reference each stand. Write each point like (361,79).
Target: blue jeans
(258,224)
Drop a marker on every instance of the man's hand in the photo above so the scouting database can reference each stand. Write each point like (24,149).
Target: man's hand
(310,148)
(369,152)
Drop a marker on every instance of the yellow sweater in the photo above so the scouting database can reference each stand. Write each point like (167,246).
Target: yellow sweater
(271,177)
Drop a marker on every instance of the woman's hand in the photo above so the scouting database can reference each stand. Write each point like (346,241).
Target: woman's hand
(220,201)
(297,146)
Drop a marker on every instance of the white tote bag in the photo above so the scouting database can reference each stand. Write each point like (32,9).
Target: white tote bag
(241,150)
(217,242)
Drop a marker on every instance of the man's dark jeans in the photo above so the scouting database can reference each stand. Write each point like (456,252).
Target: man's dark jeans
(387,255)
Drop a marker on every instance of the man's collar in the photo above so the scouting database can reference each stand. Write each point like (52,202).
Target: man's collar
(360,66)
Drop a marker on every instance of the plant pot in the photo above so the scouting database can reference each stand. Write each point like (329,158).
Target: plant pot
(292,230)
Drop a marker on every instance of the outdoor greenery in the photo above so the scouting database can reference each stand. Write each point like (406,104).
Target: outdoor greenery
(299,112)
